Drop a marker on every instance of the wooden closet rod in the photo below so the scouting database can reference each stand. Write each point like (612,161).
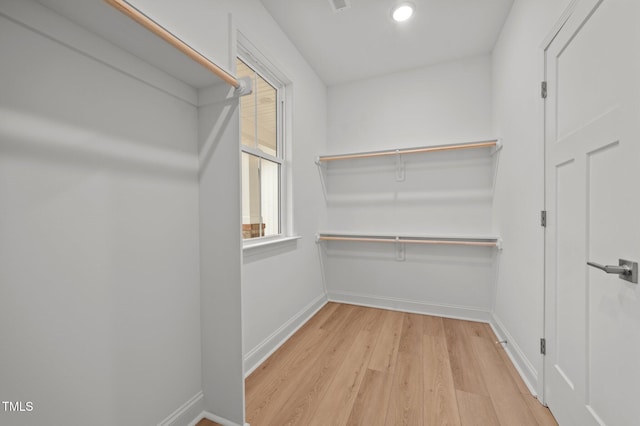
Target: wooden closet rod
(409,151)
(142,19)
(409,241)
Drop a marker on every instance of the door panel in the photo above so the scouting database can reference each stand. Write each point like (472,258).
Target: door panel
(567,342)
(592,143)
(602,309)
(584,99)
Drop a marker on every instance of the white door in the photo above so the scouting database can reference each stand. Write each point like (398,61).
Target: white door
(592,142)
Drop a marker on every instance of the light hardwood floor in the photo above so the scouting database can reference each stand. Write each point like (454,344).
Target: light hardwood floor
(351,365)
(206,422)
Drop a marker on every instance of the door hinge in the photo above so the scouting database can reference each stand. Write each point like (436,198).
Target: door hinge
(543,346)
(543,218)
(543,90)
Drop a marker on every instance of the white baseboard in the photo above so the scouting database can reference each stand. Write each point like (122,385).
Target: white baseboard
(268,346)
(186,412)
(191,412)
(522,364)
(209,416)
(412,306)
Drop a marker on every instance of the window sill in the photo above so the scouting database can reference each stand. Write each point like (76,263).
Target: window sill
(266,244)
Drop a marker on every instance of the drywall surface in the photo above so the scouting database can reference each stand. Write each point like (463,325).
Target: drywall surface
(201,24)
(517,72)
(223,379)
(445,103)
(99,240)
(445,194)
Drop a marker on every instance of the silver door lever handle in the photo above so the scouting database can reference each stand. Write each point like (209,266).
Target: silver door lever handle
(611,269)
(626,269)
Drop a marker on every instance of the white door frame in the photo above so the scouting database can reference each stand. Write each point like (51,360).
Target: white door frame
(546,43)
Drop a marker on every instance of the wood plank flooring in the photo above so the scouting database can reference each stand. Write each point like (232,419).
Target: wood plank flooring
(351,365)
(207,422)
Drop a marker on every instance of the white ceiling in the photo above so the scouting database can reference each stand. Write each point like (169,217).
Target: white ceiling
(363,41)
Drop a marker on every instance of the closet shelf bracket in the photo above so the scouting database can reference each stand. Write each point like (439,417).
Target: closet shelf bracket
(400,250)
(400,175)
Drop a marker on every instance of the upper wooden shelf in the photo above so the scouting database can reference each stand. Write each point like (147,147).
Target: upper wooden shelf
(495,144)
(468,240)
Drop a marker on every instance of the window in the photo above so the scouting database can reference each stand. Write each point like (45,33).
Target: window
(262,154)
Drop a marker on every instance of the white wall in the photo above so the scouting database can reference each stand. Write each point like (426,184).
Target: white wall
(445,103)
(517,73)
(442,193)
(201,24)
(99,244)
(220,219)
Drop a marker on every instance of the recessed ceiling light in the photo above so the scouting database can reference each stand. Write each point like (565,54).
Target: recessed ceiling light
(402,11)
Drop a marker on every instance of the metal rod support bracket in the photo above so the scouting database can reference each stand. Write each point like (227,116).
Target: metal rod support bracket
(400,174)
(497,147)
(400,250)
(244,87)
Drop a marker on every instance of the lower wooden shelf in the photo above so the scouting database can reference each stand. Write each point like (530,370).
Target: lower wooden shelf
(482,241)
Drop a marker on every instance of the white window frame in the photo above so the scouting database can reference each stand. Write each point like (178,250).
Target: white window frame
(251,56)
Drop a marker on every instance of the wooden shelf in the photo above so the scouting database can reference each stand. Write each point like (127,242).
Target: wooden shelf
(459,240)
(495,144)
